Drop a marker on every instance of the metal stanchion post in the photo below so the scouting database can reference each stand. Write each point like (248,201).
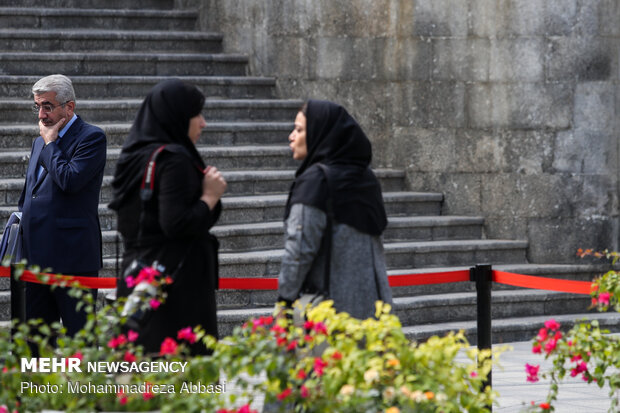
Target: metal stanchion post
(482,275)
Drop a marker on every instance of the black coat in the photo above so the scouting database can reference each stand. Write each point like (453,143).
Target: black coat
(177,223)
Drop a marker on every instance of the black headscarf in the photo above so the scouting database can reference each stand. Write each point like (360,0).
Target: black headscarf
(335,139)
(163,118)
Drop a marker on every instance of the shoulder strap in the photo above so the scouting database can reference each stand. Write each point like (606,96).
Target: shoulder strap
(327,234)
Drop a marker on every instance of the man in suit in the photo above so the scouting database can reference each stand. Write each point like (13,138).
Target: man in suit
(60,200)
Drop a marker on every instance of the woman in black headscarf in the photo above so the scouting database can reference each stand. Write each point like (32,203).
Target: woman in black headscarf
(326,134)
(176,220)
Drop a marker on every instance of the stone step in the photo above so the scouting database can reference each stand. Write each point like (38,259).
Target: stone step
(13,164)
(102,87)
(93,4)
(239,183)
(262,208)
(269,235)
(119,63)
(512,329)
(20,136)
(120,19)
(415,254)
(59,40)
(125,110)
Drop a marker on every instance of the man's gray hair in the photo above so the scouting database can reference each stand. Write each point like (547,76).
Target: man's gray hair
(60,84)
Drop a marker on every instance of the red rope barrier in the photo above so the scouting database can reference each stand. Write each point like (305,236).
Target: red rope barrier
(542,283)
(402,280)
(405,280)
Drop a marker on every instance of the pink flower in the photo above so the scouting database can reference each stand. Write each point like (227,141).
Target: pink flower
(117,341)
(291,346)
(576,357)
(308,325)
(551,345)
(5,369)
(473,374)
(122,399)
(603,298)
(129,357)
(244,409)
(285,393)
(542,334)
(537,349)
(304,391)
(168,346)
(301,374)
(187,334)
(132,336)
(320,328)
(319,366)
(154,304)
(552,325)
(278,330)
(148,395)
(280,341)
(4,409)
(130,281)
(147,274)
(580,368)
(532,373)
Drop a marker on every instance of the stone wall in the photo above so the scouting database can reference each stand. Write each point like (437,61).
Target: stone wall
(511,108)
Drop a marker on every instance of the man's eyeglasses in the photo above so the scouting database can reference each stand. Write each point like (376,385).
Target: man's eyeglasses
(46,107)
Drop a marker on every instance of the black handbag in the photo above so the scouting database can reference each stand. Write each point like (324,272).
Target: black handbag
(137,309)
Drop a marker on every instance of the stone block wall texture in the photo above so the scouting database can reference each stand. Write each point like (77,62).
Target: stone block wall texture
(511,108)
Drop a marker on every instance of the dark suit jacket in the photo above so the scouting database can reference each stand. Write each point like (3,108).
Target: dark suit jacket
(60,210)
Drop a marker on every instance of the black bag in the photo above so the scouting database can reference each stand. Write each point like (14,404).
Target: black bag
(137,309)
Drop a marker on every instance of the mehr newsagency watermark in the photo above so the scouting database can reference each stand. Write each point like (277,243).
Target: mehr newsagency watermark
(74,365)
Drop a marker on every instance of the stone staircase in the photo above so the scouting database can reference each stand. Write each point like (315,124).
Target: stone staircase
(115,51)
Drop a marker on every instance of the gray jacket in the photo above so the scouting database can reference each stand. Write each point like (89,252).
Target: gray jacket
(358,276)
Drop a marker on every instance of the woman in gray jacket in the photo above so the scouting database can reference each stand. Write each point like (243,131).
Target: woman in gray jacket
(335,169)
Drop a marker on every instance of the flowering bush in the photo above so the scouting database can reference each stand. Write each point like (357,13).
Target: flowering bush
(338,363)
(586,351)
(332,363)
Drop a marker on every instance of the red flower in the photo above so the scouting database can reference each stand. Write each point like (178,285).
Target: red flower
(280,341)
(552,325)
(319,366)
(245,409)
(168,346)
(532,373)
(320,328)
(291,346)
(308,325)
(550,346)
(304,391)
(132,336)
(301,374)
(337,355)
(148,395)
(5,369)
(122,399)
(603,298)
(545,406)
(580,368)
(542,334)
(285,393)
(129,357)
(537,349)
(187,334)
(117,341)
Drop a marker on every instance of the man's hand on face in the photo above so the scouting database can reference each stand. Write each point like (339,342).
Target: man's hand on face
(49,133)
